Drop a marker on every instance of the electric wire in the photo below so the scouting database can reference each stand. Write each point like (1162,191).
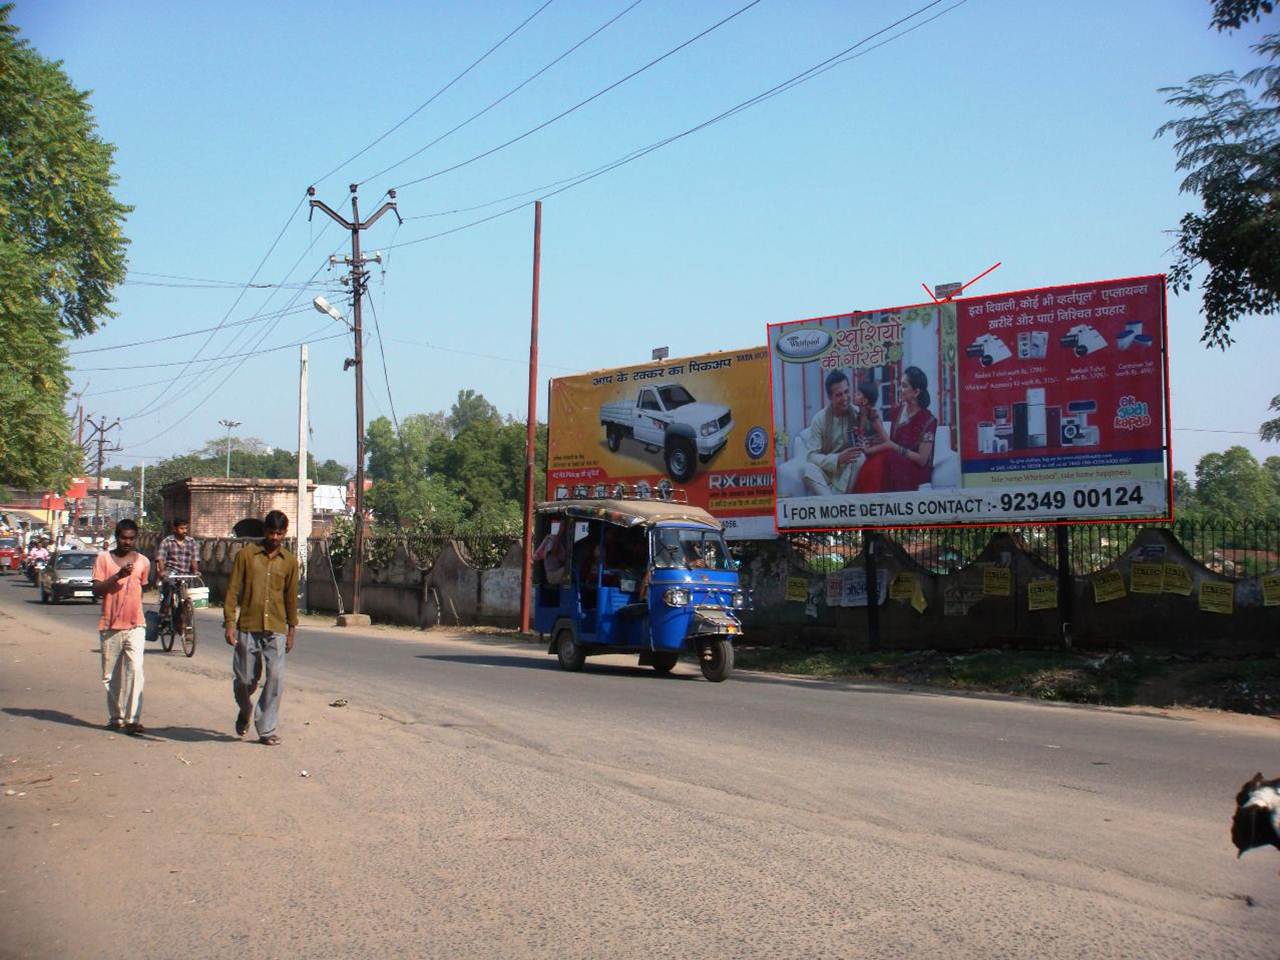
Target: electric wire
(581,103)
(232,356)
(204,285)
(256,318)
(240,296)
(514,90)
(482,356)
(475,63)
(818,69)
(386,377)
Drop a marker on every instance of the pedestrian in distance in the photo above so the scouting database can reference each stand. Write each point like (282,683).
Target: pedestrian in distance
(118,578)
(260,613)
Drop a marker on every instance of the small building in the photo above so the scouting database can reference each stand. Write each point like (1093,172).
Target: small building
(231,506)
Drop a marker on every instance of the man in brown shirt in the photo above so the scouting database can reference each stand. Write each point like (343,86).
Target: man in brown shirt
(263,590)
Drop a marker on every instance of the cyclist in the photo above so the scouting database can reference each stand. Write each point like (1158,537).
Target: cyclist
(178,555)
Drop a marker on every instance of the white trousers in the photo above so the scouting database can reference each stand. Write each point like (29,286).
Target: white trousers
(122,672)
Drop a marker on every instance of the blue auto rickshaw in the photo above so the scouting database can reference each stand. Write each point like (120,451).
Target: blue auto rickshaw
(631,574)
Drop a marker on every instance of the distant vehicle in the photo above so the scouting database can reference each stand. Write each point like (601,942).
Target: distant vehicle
(10,555)
(68,576)
(669,419)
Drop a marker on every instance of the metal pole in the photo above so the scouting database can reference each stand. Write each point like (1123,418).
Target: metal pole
(1066,583)
(531,428)
(102,438)
(869,538)
(357,289)
(304,504)
(142,485)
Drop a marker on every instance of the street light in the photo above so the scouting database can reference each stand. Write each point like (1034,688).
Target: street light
(229,424)
(324,306)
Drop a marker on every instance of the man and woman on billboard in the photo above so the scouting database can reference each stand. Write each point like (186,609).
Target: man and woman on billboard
(852,451)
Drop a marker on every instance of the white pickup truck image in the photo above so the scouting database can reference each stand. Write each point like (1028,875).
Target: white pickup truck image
(669,419)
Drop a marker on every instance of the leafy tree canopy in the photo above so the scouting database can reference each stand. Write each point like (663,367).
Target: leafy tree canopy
(1228,144)
(1231,487)
(62,250)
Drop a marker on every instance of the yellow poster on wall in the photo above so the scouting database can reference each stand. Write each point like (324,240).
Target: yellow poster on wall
(997,582)
(918,602)
(797,589)
(1217,597)
(1271,590)
(1146,577)
(1177,579)
(903,587)
(701,423)
(1042,594)
(1108,586)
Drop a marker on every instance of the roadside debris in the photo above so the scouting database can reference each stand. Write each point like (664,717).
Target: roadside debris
(183,759)
(304,774)
(340,702)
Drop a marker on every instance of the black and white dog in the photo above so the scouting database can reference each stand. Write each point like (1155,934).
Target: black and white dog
(1257,819)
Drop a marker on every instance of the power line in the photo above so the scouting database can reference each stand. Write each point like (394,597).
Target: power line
(514,90)
(240,296)
(386,377)
(205,285)
(581,103)
(256,318)
(231,356)
(804,76)
(482,356)
(475,63)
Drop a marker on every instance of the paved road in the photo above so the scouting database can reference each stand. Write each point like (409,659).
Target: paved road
(480,802)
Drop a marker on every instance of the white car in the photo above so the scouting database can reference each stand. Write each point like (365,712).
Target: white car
(668,418)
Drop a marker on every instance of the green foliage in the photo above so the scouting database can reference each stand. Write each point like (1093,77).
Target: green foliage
(61,253)
(1229,146)
(1231,487)
(1271,429)
(341,541)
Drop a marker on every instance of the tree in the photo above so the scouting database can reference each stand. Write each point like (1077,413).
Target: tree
(405,488)
(1230,147)
(1271,429)
(1184,491)
(1232,486)
(61,253)
(471,408)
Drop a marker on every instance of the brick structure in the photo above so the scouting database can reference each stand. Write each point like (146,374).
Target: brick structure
(220,507)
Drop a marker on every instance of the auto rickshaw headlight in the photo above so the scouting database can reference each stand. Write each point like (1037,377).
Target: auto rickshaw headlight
(676,597)
(739,600)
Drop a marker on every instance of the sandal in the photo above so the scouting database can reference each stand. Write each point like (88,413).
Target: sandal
(133,728)
(270,741)
(242,722)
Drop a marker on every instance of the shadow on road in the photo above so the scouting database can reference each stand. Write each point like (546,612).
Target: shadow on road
(179,734)
(532,663)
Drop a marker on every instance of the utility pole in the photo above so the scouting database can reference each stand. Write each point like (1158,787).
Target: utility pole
(531,428)
(142,487)
(230,425)
(75,515)
(359,277)
(100,431)
(304,505)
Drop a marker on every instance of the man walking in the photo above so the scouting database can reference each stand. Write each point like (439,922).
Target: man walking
(178,555)
(264,591)
(118,578)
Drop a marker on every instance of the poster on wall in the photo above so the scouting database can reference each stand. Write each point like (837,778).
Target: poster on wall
(1035,405)
(701,423)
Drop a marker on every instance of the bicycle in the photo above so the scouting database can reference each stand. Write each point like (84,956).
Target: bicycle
(181,619)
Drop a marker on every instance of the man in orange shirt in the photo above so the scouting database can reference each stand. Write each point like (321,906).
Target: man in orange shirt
(118,578)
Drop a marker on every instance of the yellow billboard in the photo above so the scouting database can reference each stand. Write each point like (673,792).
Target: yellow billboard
(703,423)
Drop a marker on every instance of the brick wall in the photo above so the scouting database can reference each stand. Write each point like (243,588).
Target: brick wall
(214,505)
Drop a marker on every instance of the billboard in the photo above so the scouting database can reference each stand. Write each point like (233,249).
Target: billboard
(700,422)
(1036,405)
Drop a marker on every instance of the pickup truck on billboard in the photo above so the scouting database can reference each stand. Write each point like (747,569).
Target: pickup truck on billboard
(669,419)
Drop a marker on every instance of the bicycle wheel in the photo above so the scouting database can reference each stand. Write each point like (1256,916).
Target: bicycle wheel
(188,627)
(165,634)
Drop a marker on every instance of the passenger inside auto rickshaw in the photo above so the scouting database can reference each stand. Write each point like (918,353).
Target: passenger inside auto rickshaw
(626,564)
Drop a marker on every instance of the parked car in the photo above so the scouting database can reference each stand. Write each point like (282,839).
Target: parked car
(68,576)
(669,419)
(10,554)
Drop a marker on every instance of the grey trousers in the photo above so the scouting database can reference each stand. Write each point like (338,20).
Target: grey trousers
(259,657)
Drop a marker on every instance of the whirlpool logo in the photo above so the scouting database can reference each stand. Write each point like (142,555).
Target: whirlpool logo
(757,442)
(799,345)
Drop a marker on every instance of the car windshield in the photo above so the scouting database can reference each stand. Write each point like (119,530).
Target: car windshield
(8,543)
(677,396)
(685,549)
(74,561)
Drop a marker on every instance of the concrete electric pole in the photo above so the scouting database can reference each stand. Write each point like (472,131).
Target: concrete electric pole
(359,277)
(303,531)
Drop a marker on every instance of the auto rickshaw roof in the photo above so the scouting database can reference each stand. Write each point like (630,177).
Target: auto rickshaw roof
(630,513)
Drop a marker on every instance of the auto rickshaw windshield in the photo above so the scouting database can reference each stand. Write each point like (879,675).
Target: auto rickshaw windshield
(685,549)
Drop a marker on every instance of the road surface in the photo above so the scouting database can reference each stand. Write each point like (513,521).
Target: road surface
(472,800)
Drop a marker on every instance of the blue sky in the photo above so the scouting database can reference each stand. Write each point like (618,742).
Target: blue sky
(1007,130)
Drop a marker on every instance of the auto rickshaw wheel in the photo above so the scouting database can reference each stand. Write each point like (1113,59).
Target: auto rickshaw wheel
(568,652)
(717,660)
(664,663)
